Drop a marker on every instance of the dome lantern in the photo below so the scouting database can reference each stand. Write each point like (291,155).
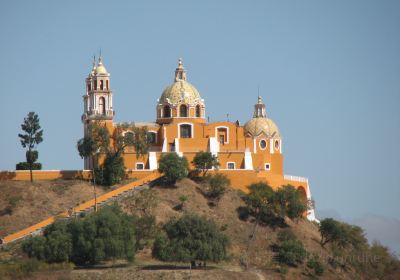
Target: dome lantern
(260,124)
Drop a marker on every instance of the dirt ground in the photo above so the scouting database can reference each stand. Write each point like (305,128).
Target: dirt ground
(23,204)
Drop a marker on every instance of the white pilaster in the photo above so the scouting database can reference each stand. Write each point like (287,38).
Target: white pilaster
(248,161)
(152,161)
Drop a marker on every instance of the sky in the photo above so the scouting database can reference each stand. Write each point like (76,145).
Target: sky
(328,71)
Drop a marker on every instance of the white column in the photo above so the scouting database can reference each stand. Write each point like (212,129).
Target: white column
(248,161)
(152,161)
(214,146)
(310,212)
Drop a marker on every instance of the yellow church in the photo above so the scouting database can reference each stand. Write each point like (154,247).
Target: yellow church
(247,154)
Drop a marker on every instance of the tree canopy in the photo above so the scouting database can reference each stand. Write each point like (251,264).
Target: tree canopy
(99,141)
(32,136)
(190,238)
(103,235)
(204,161)
(271,207)
(173,166)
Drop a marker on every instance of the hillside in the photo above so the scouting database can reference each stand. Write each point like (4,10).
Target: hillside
(23,204)
(58,195)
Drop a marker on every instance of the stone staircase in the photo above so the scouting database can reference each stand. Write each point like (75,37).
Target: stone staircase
(86,207)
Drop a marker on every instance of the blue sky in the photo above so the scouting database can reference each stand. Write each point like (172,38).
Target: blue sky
(328,72)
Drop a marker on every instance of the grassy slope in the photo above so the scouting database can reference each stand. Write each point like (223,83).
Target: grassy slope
(45,198)
(38,201)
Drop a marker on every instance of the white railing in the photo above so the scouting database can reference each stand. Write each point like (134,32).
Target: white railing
(295,178)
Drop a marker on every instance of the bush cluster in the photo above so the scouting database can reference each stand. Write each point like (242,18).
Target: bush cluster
(290,251)
(173,166)
(104,235)
(189,239)
(271,207)
(26,166)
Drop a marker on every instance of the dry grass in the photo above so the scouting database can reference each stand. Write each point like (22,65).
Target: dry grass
(39,200)
(43,199)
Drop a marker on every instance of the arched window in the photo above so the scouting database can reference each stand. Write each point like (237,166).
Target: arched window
(198,111)
(183,111)
(102,105)
(167,111)
(107,86)
(186,131)
(151,137)
(101,84)
(95,85)
(89,87)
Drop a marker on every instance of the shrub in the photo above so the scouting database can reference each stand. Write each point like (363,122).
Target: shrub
(173,166)
(106,234)
(217,186)
(204,161)
(291,252)
(114,169)
(342,234)
(315,264)
(190,238)
(286,235)
(25,166)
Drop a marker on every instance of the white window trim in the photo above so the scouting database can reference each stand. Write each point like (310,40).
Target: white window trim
(136,164)
(227,133)
(279,143)
(266,144)
(179,130)
(265,166)
(234,165)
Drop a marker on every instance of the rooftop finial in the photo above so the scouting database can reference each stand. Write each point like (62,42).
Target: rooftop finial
(259,109)
(180,73)
(180,63)
(100,57)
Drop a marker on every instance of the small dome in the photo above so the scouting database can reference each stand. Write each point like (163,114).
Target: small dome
(100,69)
(181,92)
(257,126)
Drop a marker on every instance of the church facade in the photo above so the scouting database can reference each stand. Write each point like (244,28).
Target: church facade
(247,154)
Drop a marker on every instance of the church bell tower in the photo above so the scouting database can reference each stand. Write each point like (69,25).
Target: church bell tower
(97,101)
(98,98)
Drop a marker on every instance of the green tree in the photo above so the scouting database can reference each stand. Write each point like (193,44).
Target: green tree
(31,137)
(330,230)
(189,239)
(288,201)
(291,252)
(96,141)
(144,202)
(104,235)
(99,141)
(203,161)
(260,202)
(217,185)
(173,166)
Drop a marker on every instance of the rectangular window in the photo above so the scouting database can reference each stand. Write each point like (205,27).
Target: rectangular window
(231,165)
(267,166)
(139,166)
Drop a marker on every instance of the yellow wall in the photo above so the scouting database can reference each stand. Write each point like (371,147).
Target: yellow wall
(24,175)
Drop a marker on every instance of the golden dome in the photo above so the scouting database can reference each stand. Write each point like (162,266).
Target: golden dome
(100,69)
(257,126)
(181,92)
